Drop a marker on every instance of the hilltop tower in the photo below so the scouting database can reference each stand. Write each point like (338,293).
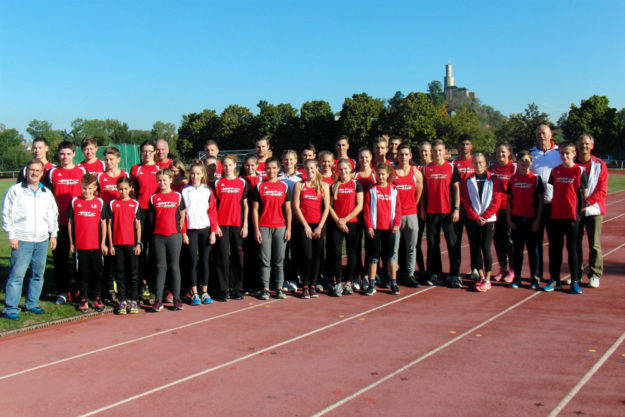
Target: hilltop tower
(449,78)
(456,96)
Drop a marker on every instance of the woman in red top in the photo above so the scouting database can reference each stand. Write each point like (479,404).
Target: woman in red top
(311,202)
(250,247)
(326,160)
(523,215)
(382,215)
(481,199)
(232,215)
(366,178)
(502,170)
(180,175)
(346,203)
(272,225)
(167,210)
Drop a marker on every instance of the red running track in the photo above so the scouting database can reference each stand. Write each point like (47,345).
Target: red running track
(429,352)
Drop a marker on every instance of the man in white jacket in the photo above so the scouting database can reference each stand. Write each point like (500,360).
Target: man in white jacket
(29,216)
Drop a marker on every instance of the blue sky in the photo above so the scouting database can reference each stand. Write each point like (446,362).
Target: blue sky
(143,61)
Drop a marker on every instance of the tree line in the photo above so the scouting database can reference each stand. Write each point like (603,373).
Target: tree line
(415,117)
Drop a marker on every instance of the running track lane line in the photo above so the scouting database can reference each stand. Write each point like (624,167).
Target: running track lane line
(586,377)
(137,339)
(251,355)
(457,338)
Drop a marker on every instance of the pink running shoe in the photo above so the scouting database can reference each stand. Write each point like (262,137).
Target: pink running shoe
(509,277)
(482,285)
(500,275)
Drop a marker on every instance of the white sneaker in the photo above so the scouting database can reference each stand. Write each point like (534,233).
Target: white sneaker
(594,282)
(474,275)
(292,285)
(567,281)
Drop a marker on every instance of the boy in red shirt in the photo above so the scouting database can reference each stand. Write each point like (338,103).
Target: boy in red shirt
(87,237)
(464,166)
(342,146)
(91,164)
(569,182)
(65,181)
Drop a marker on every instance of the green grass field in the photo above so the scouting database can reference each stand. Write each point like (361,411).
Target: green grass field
(54,312)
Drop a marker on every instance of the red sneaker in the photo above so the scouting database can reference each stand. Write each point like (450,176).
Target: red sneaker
(509,277)
(83,306)
(169,297)
(499,276)
(482,285)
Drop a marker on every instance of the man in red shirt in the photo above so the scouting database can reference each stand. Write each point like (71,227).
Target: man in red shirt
(380,149)
(440,208)
(464,165)
(161,157)
(393,149)
(40,153)
(91,164)
(342,146)
(262,153)
(65,180)
(569,183)
(592,214)
(212,149)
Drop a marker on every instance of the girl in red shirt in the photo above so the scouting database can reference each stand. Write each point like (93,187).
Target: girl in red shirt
(311,202)
(481,197)
(326,160)
(167,210)
(523,215)
(366,178)
(502,170)
(382,215)
(180,175)
(250,247)
(346,201)
(232,214)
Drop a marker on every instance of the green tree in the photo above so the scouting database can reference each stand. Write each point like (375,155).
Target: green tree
(466,121)
(43,128)
(360,118)
(14,155)
(596,118)
(520,128)
(435,92)
(236,129)
(104,131)
(317,125)
(414,118)
(195,129)
(279,123)
(138,136)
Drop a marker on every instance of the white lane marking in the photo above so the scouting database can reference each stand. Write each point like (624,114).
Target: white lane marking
(137,339)
(586,377)
(251,355)
(433,351)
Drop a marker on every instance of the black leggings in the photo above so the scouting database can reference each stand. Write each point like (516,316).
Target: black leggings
(229,260)
(436,222)
(561,228)
(381,246)
(480,242)
(167,255)
(420,260)
(126,272)
(199,246)
(311,254)
(89,267)
(336,237)
(503,242)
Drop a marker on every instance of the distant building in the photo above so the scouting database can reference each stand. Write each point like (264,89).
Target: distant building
(455,95)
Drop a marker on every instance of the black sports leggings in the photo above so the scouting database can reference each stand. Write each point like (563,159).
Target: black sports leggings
(199,246)
(229,259)
(336,238)
(480,242)
(311,254)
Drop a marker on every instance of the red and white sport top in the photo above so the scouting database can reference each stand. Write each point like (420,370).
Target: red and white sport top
(382,208)
(230,196)
(438,180)
(123,215)
(144,177)
(108,186)
(503,174)
(524,190)
(567,197)
(87,216)
(95,167)
(345,199)
(272,197)
(66,185)
(464,167)
(407,192)
(310,203)
(167,208)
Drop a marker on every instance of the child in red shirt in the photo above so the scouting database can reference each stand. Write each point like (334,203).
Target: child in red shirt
(250,247)
(91,164)
(87,238)
(124,235)
(366,178)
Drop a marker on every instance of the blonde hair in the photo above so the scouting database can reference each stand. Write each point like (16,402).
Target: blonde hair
(202,167)
(231,157)
(165,171)
(178,164)
(335,186)
(317,181)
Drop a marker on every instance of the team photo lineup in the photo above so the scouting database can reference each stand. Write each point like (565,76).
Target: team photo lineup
(171,233)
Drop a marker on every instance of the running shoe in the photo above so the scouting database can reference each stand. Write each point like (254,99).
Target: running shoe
(338,290)
(593,282)
(195,300)
(515,285)
(280,295)
(347,289)
(236,295)
(123,308)
(509,277)
(169,297)
(414,282)
(551,285)
(483,285)
(356,285)
(456,282)
(206,299)
(98,305)
(313,292)
(178,304)
(535,285)
(567,281)
(83,306)
(264,294)
(292,286)
(318,288)
(433,280)
(394,289)
(559,286)
(133,308)
(11,316)
(371,290)
(62,299)
(36,310)
(157,306)
(500,275)
(575,288)
(475,275)
(365,284)
(285,286)
(305,293)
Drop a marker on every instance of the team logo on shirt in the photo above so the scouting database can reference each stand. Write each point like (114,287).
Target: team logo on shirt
(230,190)
(68,181)
(438,176)
(523,185)
(311,197)
(346,190)
(565,180)
(404,186)
(86,213)
(273,193)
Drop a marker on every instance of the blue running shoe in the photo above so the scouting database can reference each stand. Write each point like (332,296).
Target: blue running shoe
(514,285)
(11,316)
(36,310)
(551,285)
(195,300)
(535,283)
(206,299)
(575,288)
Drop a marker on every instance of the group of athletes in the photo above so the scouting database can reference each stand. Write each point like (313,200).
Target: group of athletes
(285,224)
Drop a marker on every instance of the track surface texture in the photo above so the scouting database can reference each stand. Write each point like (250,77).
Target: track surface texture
(432,351)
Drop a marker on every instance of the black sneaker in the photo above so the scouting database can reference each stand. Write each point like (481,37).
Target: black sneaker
(280,295)
(313,291)
(394,289)
(371,290)
(264,294)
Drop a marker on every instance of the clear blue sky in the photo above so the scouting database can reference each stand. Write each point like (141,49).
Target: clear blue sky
(143,61)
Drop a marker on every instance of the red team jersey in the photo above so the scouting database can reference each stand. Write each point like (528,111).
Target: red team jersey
(272,196)
(108,186)
(406,191)
(464,167)
(87,216)
(310,203)
(167,208)
(95,167)
(144,177)
(438,180)
(524,190)
(382,208)
(365,182)
(328,180)
(567,197)
(503,174)
(124,214)
(344,198)
(230,196)
(66,185)
(260,170)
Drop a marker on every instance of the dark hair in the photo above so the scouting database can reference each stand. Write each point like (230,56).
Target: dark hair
(523,153)
(41,139)
(404,146)
(261,137)
(567,144)
(124,180)
(272,160)
(89,179)
(464,137)
(66,145)
(211,142)
(111,150)
(342,137)
(310,147)
(505,145)
(425,143)
(147,142)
